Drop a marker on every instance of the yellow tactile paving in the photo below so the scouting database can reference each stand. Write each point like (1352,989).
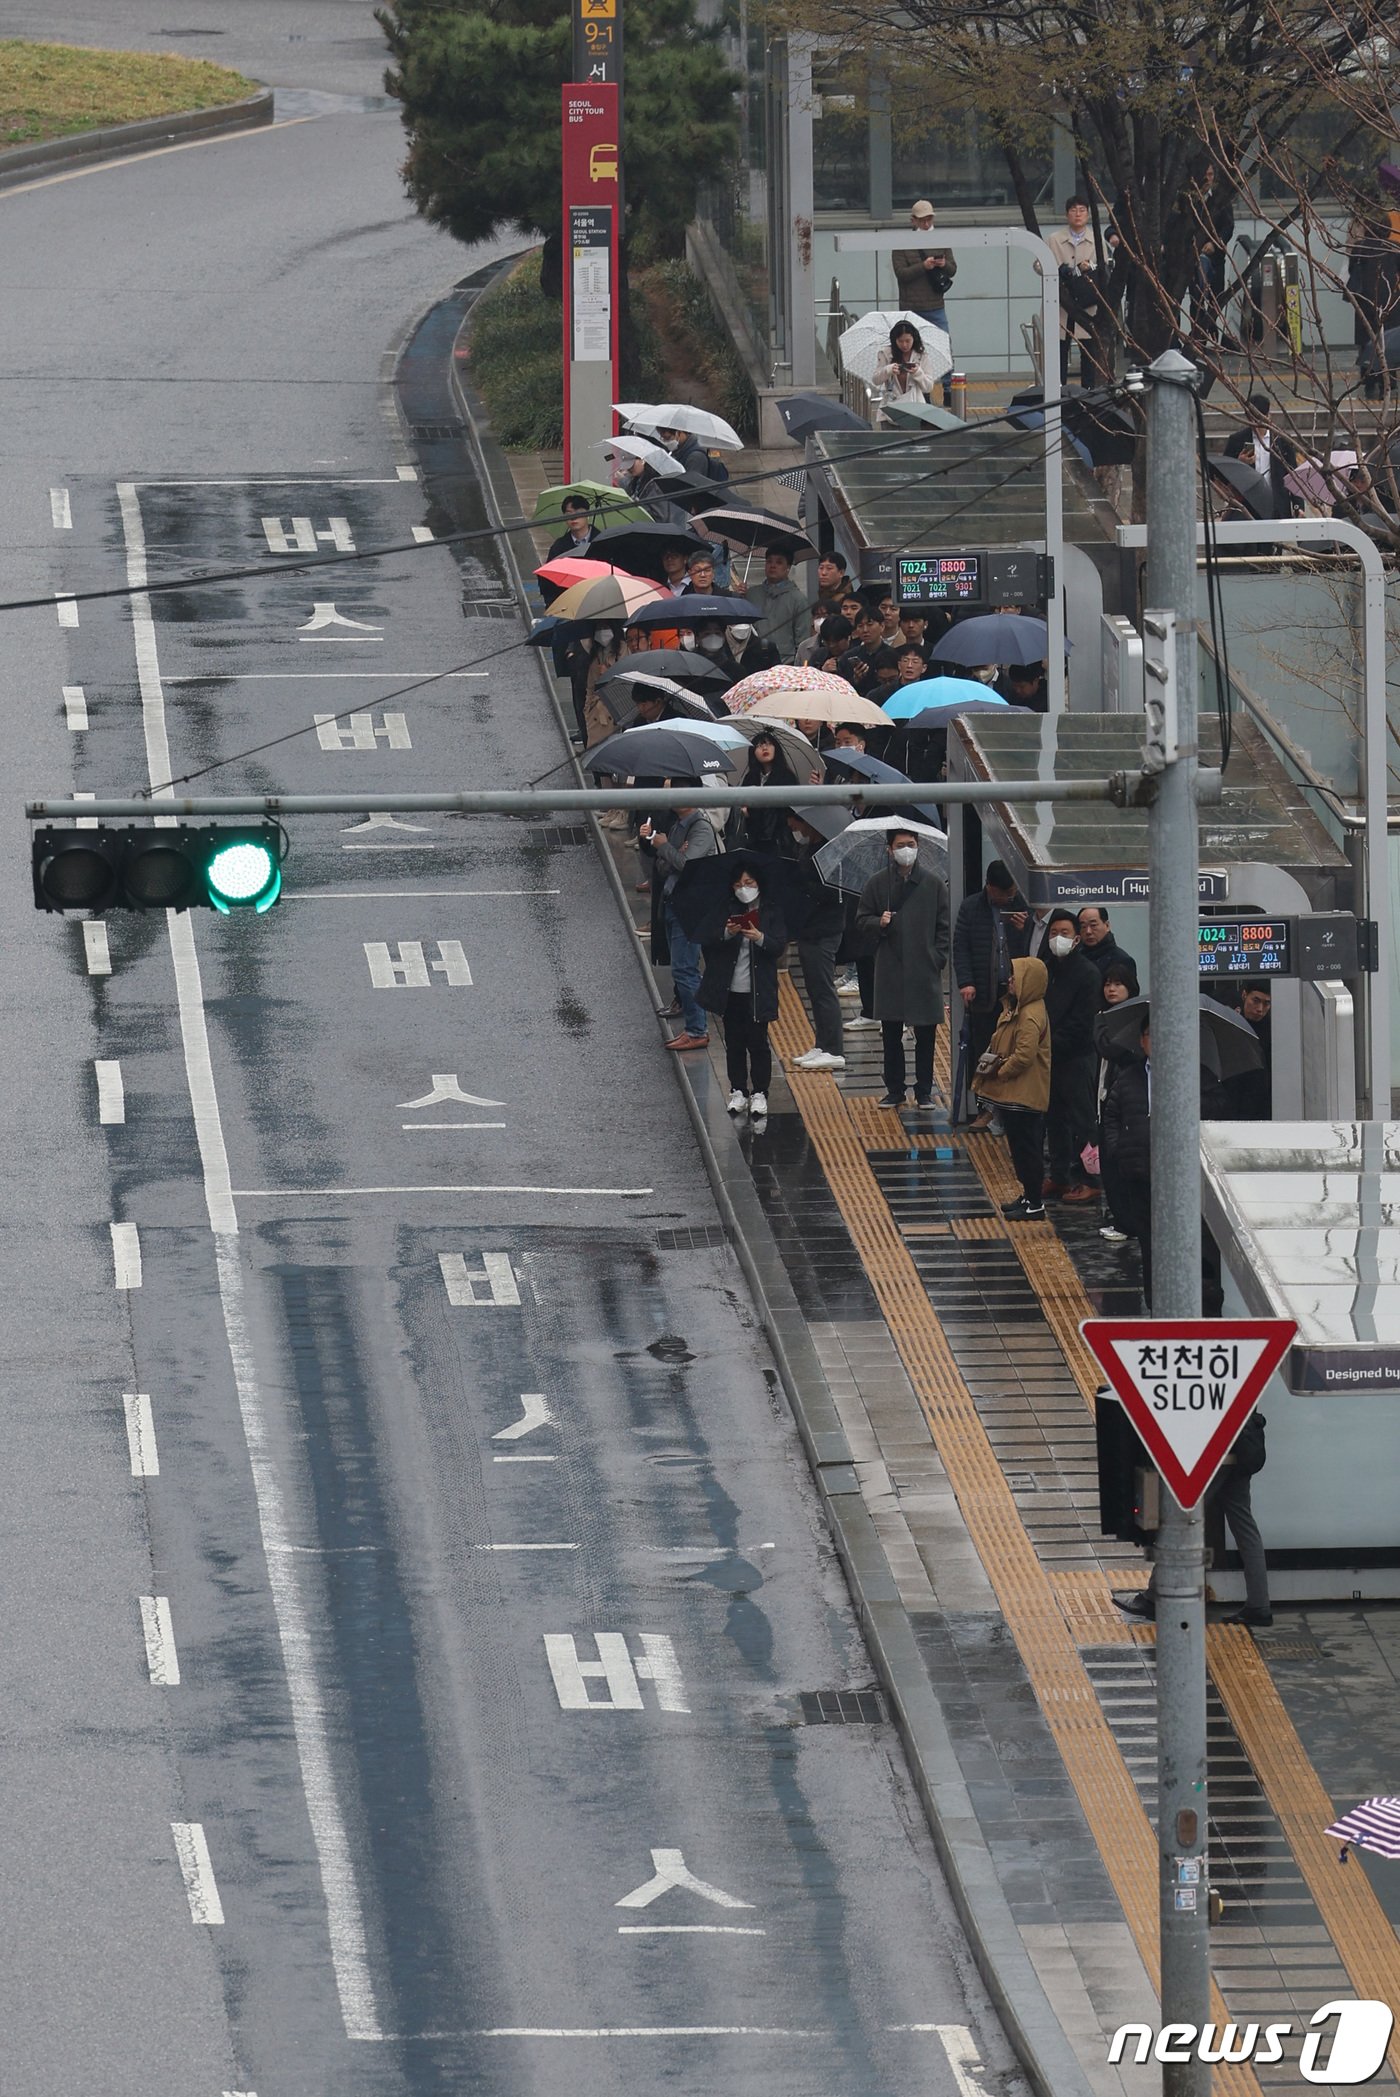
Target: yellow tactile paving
(1024,1592)
(1355,1919)
(1087,1601)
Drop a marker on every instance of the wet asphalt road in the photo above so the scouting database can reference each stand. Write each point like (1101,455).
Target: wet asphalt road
(384,1215)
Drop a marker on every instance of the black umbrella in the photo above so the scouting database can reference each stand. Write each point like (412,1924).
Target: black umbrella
(830,819)
(671,750)
(804,412)
(702,897)
(638,547)
(697,491)
(859,766)
(621,692)
(758,528)
(1229,1044)
(691,606)
(686,664)
(1250,489)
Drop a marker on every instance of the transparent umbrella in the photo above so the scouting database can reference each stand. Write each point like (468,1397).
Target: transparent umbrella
(859,851)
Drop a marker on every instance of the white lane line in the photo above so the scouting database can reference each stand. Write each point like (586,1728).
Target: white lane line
(95,948)
(686,1929)
(394,845)
(111,1093)
(422,534)
(413,895)
(161,1658)
(431,1125)
(75,713)
(529,1547)
(963,2059)
(61,509)
(126,1255)
(276,1193)
(344,1915)
(67,609)
(619,2031)
(524,1459)
(201,1888)
(408,473)
(366,676)
(84,822)
(141,1434)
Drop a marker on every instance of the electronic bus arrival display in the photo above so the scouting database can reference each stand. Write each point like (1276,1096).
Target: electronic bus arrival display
(940,578)
(1247,946)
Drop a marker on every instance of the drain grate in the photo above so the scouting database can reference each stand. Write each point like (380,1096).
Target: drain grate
(842,1707)
(553,837)
(436,432)
(695,1240)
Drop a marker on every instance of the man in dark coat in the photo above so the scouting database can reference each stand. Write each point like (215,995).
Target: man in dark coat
(1072,1000)
(691,836)
(1125,1137)
(1099,943)
(903,912)
(993,929)
(816,950)
(575,539)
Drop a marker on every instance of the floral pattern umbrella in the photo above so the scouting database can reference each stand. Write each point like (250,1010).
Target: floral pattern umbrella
(747,696)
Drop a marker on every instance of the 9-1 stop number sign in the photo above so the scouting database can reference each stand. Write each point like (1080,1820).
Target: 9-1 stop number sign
(1188,1385)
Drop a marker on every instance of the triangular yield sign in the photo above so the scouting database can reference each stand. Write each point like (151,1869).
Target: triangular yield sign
(1188,1385)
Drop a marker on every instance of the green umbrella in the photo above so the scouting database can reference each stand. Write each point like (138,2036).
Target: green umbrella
(620,508)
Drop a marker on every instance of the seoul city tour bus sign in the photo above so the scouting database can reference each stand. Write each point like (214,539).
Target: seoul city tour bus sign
(1188,1385)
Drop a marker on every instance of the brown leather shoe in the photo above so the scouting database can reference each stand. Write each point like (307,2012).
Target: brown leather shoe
(983,1121)
(1080,1193)
(688,1041)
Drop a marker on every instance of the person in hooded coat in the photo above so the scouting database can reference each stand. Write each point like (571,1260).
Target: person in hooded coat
(1015,1073)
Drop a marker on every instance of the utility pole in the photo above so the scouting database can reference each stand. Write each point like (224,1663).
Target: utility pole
(1173,875)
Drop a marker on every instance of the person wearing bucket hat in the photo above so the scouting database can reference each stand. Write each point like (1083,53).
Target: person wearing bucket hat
(924,275)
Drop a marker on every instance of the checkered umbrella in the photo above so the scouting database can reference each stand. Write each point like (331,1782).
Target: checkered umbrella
(1374,1824)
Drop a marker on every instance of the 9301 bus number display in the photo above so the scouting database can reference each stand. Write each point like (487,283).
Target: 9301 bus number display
(939,578)
(1249,946)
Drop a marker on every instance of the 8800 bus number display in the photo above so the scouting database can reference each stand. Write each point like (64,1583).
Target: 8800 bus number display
(1248,946)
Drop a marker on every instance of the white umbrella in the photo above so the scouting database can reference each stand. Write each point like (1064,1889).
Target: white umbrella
(680,415)
(655,455)
(804,705)
(849,860)
(863,341)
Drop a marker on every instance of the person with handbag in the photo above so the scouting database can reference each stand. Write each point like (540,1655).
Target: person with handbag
(1015,1074)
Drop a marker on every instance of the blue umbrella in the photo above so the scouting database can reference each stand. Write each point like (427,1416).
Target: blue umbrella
(690,607)
(945,692)
(999,637)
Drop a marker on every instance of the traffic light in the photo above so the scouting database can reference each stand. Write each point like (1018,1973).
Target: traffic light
(137,866)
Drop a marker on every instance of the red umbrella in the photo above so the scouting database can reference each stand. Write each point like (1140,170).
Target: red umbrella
(570,568)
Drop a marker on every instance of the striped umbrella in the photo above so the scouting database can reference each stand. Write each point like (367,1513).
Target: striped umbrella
(1374,1824)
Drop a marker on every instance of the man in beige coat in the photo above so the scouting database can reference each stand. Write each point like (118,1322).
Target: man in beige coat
(1083,295)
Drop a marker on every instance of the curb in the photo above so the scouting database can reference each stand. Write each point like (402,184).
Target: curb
(118,140)
(1036,2035)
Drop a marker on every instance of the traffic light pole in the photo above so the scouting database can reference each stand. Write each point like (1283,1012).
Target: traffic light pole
(1175,1105)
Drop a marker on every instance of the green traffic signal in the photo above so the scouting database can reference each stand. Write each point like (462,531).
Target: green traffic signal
(183,866)
(243,874)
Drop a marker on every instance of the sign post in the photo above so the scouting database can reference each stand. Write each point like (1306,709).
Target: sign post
(592,209)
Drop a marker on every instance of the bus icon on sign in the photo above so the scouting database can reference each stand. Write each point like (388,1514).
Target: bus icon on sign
(602,163)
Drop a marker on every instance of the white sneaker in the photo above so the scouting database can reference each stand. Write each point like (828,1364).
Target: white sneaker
(1113,1234)
(810,1061)
(848,987)
(758,1104)
(736,1102)
(822,1059)
(862,1021)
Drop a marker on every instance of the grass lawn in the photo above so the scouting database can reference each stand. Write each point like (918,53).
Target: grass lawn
(55,90)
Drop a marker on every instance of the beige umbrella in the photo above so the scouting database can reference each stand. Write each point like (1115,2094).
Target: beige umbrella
(828,707)
(808,764)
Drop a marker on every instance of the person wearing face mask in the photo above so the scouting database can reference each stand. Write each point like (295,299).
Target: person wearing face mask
(604,648)
(1014,1074)
(1072,1002)
(747,650)
(742,950)
(710,642)
(822,930)
(903,915)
